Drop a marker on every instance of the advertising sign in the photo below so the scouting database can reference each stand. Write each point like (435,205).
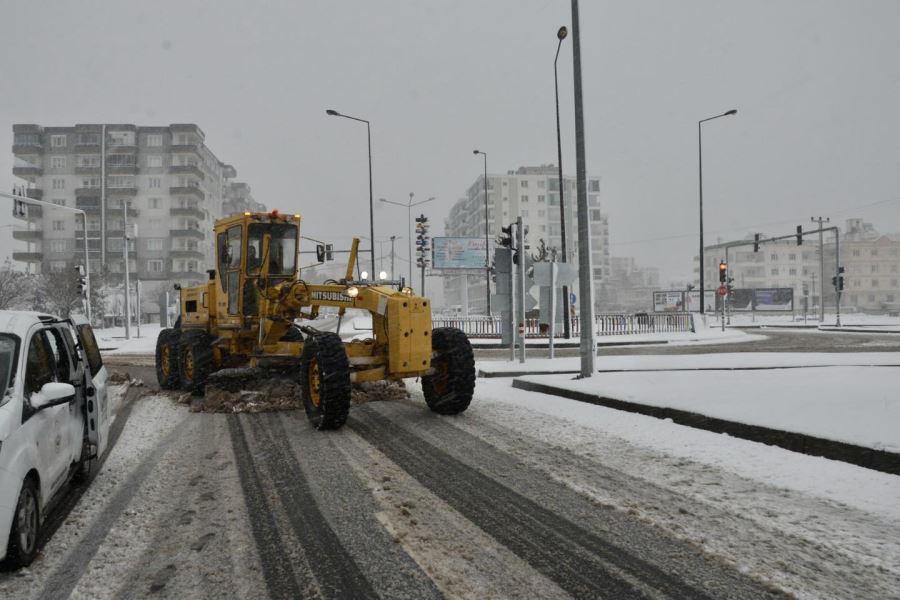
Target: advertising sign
(693,300)
(668,301)
(458,253)
(773,299)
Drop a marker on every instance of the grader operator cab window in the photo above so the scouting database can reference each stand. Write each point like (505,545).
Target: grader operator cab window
(230,266)
(282,251)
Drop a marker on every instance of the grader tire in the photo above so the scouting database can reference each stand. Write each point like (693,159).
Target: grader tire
(292,335)
(167,359)
(449,390)
(195,360)
(325,381)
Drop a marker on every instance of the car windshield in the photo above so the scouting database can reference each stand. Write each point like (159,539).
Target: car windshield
(8,354)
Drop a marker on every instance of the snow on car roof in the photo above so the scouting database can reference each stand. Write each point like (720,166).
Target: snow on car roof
(19,321)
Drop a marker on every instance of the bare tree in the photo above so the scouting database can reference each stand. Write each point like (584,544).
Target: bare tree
(58,293)
(15,287)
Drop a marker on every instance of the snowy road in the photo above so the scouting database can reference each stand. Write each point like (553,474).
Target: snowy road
(508,500)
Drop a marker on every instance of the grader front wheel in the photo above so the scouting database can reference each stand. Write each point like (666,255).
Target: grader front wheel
(325,381)
(167,359)
(449,390)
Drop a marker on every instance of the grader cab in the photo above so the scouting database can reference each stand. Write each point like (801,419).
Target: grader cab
(247,313)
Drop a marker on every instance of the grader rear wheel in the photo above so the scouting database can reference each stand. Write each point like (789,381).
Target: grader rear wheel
(167,358)
(325,381)
(449,390)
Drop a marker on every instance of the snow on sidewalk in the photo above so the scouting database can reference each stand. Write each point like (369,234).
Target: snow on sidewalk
(851,404)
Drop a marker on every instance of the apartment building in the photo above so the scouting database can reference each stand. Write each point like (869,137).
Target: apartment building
(871,262)
(629,286)
(162,179)
(533,193)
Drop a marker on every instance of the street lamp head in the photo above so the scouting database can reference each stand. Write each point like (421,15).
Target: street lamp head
(476,151)
(562,33)
(332,113)
(733,111)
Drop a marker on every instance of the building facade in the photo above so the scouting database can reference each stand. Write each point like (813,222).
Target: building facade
(170,183)
(871,262)
(533,193)
(629,286)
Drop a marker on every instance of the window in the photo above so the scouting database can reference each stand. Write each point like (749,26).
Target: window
(87,139)
(57,266)
(89,343)
(541,198)
(856,252)
(121,160)
(59,184)
(154,139)
(38,366)
(154,160)
(805,256)
(154,183)
(774,271)
(874,283)
(524,198)
(57,141)
(792,257)
(523,183)
(594,185)
(773,257)
(90,182)
(155,244)
(155,266)
(792,272)
(89,160)
(154,202)
(594,200)
(121,181)
(874,268)
(596,215)
(59,226)
(121,138)
(59,201)
(871,297)
(57,246)
(889,297)
(541,184)
(57,162)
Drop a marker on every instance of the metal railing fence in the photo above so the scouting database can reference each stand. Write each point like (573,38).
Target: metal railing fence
(604,325)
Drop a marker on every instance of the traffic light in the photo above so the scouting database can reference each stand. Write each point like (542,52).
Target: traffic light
(838,280)
(505,238)
(422,240)
(19,209)
(799,235)
(723,271)
(82,281)
(756,242)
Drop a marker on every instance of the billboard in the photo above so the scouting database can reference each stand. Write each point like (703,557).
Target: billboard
(458,253)
(668,301)
(774,298)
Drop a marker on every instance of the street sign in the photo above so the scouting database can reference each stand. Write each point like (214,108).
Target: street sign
(572,298)
(723,291)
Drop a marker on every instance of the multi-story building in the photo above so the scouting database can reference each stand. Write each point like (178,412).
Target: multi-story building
(629,286)
(171,184)
(533,193)
(871,261)
(238,199)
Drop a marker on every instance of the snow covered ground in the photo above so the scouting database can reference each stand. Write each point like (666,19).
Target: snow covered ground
(781,319)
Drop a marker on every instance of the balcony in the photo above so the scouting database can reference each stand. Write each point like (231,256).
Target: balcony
(82,192)
(31,235)
(195,148)
(188,190)
(187,170)
(122,191)
(118,212)
(122,169)
(91,204)
(195,212)
(187,233)
(28,148)
(81,170)
(28,171)
(187,254)
(28,257)
(36,193)
(32,211)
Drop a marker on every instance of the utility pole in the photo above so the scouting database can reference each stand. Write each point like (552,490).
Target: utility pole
(821,220)
(585,271)
(127,286)
(520,243)
(393,239)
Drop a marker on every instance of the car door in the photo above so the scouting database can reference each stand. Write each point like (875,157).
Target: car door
(98,417)
(43,427)
(69,370)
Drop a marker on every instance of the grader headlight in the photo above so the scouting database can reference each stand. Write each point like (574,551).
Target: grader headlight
(407,290)
(352,291)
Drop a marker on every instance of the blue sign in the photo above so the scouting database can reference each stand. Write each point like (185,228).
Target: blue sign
(572,298)
(458,253)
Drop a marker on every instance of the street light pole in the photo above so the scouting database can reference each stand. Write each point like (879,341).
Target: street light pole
(567,325)
(409,205)
(700,170)
(487,244)
(335,113)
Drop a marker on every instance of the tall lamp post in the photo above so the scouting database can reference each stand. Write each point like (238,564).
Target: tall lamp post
(567,325)
(700,164)
(409,205)
(487,244)
(335,113)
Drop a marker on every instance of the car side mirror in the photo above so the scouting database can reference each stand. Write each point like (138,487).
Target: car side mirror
(52,394)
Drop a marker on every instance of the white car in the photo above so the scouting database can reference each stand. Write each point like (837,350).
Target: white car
(54,420)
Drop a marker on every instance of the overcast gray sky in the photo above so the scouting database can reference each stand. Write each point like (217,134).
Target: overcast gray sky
(816,84)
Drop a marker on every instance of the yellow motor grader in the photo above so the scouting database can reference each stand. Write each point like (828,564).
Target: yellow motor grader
(246,314)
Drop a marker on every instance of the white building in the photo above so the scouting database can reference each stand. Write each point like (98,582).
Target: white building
(533,193)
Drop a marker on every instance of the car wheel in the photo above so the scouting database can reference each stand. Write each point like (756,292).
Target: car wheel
(26,526)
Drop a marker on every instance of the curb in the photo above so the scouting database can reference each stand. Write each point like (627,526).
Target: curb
(869,458)
(490,374)
(832,329)
(570,345)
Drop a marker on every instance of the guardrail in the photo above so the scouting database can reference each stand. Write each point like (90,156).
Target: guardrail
(604,325)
